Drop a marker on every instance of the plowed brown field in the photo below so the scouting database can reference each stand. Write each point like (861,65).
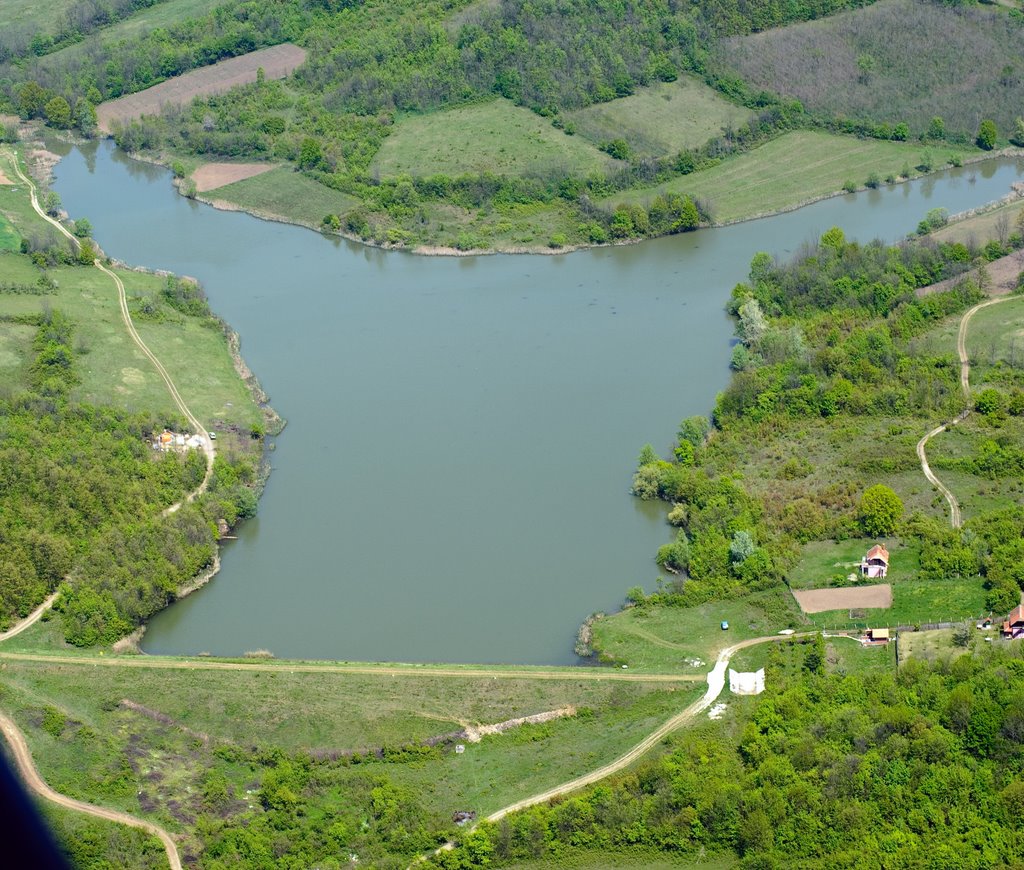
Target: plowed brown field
(277,62)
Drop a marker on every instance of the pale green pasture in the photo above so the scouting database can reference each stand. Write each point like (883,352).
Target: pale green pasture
(497,137)
(661,119)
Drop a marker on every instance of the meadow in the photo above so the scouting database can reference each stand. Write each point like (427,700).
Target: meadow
(789,171)
(672,639)
(896,61)
(496,136)
(661,119)
(285,194)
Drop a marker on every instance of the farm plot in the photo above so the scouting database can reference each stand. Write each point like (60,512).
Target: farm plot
(214,175)
(276,62)
(878,596)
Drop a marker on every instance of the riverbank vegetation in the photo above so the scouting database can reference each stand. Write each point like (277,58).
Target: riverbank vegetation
(480,126)
(85,492)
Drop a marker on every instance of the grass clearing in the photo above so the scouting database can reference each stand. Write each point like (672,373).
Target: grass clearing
(979,228)
(934,645)
(9,238)
(671,639)
(32,16)
(842,655)
(926,60)
(914,602)
(283,193)
(15,350)
(996,335)
(497,137)
(327,711)
(661,119)
(820,561)
(115,372)
(787,172)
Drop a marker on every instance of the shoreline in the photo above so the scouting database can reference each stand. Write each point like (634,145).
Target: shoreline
(435,250)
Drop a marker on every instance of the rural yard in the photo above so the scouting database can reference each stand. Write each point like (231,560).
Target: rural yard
(276,63)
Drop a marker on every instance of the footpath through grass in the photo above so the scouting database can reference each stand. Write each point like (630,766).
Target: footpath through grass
(789,171)
(667,639)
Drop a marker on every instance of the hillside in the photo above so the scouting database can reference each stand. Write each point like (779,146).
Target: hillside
(503,126)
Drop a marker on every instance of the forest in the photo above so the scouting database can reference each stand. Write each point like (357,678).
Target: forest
(916,768)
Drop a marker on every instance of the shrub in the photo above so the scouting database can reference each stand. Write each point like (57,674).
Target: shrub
(880,510)
(987,135)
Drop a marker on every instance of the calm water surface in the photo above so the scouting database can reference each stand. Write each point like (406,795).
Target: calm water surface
(453,483)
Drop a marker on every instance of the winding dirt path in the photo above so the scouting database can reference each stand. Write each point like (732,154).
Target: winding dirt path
(208,446)
(716,683)
(27,768)
(955,514)
(29,620)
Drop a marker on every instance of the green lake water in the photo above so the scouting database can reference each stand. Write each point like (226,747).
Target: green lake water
(453,483)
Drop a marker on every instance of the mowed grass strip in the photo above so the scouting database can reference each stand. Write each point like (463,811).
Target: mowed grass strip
(335,711)
(661,119)
(497,137)
(285,194)
(784,173)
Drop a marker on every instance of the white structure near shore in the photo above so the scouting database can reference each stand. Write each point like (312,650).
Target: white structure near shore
(746,683)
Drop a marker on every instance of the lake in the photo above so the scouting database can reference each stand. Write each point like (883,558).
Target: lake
(453,483)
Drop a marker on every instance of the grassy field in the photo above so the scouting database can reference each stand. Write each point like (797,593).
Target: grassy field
(980,228)
(497,137)
(325,711)
(286,194)
(32,16)
(150,758)
(925,60)
(661,119)
(114,371)
(996,335)
(915,602)
(670,639)
(163,14)
(822,560)
(787,172)
(9,238)
(842,655)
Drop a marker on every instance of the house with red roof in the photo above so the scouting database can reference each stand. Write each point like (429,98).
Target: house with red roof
(876,563)
(1013,625)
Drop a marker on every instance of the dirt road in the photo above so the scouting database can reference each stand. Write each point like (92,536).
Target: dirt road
(29,620)
(27,769)
(955,514)
(716,683)
(390,670)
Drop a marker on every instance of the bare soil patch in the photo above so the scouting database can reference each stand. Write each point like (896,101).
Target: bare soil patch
(214,175)
(867,597)
(277,62)
(1002,274)
(4,179)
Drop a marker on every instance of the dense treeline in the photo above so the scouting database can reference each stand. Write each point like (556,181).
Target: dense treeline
(821,337)
(921,768)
